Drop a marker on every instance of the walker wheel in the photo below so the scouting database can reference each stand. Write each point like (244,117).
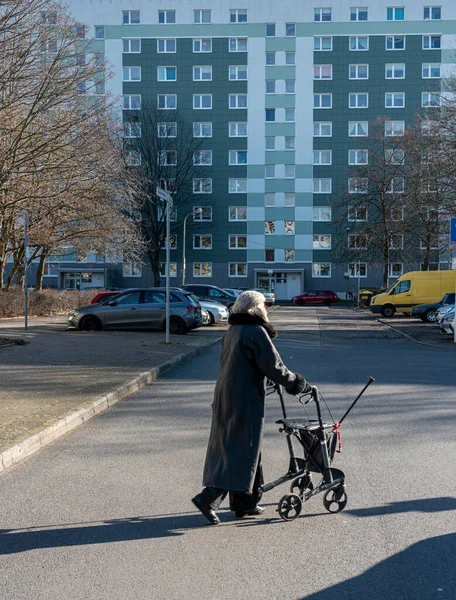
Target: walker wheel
(289,507)
(301,485)
(335,500)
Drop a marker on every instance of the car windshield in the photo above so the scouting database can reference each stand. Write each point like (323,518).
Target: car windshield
(192,297)
(448,298)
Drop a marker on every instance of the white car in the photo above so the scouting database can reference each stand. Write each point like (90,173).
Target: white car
(443,312)
(447,324)
(217,312)
(270,297)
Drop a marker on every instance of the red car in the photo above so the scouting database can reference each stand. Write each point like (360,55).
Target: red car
(325,297)
(103,297)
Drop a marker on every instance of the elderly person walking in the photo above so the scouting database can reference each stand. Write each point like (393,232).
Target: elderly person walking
(233,459)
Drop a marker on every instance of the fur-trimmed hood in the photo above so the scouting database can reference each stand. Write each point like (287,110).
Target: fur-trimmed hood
(247,319)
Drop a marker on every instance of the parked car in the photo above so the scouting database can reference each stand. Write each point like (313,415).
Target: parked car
(326,297)
(442,312)
(270,296)
(447,323)
(426,312)
(234,292)
(140,309)
(205,316)
(210,292)
(103,297)
(216,311)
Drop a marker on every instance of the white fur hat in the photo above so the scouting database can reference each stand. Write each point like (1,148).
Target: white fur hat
(252,303)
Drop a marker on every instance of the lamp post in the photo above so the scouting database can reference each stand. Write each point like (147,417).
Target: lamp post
(166,197)
(197,211)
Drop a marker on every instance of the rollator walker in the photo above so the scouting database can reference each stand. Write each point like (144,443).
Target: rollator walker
(320,441)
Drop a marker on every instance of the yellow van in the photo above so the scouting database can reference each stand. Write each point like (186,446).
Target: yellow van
(416,287)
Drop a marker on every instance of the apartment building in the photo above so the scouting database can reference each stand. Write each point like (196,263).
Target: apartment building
(283,94)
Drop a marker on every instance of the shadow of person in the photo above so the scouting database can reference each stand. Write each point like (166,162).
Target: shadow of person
(426,505)
(424,571)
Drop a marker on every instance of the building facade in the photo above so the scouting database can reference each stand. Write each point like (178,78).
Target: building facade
(283,94)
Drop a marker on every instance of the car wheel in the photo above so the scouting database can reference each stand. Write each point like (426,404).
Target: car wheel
(300,302)
(429,315)
(90,323)
(388,311)
(327,302)
(177,326)
(211,318)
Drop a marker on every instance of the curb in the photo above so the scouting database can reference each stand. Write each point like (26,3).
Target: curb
(13,453)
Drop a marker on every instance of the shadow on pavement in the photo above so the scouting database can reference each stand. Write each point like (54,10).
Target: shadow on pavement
(426,505)
(424,571)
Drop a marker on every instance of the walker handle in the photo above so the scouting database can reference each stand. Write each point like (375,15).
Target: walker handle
(370,380)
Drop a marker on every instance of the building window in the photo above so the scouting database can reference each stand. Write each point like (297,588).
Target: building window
(166,17)
(322,128)
(270,58)
(269,171)
(166,73)
(358,185)
(202,242)
(394,156)
(270,114)
(397,213)
(202,101)
(202,130)
(202,185)
(202,158)
(290,171)
(289,198)
(357,269)
(395,42)
(237,129)
(321,242)
(167,158)
(99,32)
(289,115)
(359,14)
(289,227)
(290,86)
(322,213)
(358,100)
(237,101)
(165,46)
(323,44)
(395,71)
(431,240)
(396,242)
(396,270)
(238,45)
(357,241)
(132,102)
(237,186)
(358,71)
(238,15)
(395,13)
(237,73)
(358,157)
(269,227)
(322,15)
(131,17)
(237,241)
(396,186)
(290,58)
(131,269)
(202,45)
(270,142)
(358,128)
(322,100)
(237,213)
(237,269)
(357,213)
(131,46)
(321,269)
(431,71)
(202,269)
(395,100)
(269,199)
(432,42)
(322,157)
(202,73)
(172,269)
(269,255)
(430,99)
(132,129)
(202,16)
(167,101)
(289,142)
(394,128)
(270,29)
(237,157)
(270,87)
(322,71)
(290,29)
(360,43)
(202,213)
(133,158)
(433,13)
(322,186)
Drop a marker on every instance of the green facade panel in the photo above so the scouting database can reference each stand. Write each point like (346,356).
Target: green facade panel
(280,101)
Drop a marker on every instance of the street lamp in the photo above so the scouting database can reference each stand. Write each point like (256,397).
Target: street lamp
(197,211)
(166,197)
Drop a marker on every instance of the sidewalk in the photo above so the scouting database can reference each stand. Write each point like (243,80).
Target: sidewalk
(59,370)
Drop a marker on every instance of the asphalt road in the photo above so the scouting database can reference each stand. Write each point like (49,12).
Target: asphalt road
(105,513)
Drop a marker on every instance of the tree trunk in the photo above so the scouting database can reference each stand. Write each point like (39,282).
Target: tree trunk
(2,274)
(40,272)
(386,266)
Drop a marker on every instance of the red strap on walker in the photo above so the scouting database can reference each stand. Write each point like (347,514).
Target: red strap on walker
(336,428)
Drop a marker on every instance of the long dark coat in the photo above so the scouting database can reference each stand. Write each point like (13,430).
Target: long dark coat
(248,356)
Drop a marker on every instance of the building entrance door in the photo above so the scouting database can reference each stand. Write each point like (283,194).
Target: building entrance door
(284,285)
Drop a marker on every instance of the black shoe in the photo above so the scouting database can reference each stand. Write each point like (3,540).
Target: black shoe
(205,510)
(258,510)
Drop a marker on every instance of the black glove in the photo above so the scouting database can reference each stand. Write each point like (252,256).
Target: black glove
(299,386)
